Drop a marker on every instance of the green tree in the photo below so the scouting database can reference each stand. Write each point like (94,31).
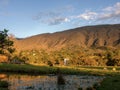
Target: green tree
(111,61)
(6,45)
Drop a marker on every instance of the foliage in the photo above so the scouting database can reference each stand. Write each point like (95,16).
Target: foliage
(76,55)
(50,63)
(5,43)
(113,58)
(4,84)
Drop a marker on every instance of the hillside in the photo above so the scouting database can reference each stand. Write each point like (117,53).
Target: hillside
(100,35)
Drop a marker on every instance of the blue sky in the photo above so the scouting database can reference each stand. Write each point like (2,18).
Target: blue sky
(25,18)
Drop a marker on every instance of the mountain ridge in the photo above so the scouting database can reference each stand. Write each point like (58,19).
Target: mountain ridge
(87,36)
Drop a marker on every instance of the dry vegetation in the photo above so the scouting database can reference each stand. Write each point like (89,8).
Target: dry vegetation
(76,55)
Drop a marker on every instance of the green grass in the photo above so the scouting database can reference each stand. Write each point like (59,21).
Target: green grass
(99,67)
(26,69)
(38,70)
(110,83)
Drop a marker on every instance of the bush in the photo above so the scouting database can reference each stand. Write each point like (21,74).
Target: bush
(4,84)
(49,63)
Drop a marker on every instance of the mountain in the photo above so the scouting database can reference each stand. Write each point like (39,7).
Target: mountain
(88,36)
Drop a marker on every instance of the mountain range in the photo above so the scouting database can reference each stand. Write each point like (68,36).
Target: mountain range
(87,36)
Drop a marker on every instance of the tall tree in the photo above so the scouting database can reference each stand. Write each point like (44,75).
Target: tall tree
(6,45)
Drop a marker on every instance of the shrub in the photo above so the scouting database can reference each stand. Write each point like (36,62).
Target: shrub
(49,63)
(4,84)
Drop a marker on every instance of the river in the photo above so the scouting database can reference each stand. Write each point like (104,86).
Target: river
(49,82)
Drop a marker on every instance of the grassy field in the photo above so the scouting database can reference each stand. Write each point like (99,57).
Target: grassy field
(38,70)
(111,82)
(26,69)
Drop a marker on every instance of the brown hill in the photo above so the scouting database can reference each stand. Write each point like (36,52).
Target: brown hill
(100,35)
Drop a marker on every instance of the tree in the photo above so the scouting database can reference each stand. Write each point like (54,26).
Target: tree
(6,45)
(111,61)
(49,63)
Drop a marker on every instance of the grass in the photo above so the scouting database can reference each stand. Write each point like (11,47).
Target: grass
(100,67)
(31,69)
(110,83)
(39,70)
(26,69)
(36,70)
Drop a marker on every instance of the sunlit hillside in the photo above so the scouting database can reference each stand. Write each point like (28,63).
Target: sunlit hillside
(89,36)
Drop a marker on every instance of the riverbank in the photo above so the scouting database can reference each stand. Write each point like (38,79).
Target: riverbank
(112,74)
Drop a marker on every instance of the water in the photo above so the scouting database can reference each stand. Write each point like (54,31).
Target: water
(44,82)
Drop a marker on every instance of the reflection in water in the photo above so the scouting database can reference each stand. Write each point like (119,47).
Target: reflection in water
(73,82)
(2,76)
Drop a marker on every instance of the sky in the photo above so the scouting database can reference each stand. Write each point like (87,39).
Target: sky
(24,18)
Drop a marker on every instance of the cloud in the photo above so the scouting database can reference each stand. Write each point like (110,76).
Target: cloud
(113,8)
(88,15)
(51,18)
(44,15)
(107,14)
(56,20)
(111,12)
(54,17)
(65,15)
(108,9)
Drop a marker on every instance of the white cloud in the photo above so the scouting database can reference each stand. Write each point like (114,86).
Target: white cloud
(44,15)
(107,14)
(55,21)
(51,18)
(108,9)
(111,12)
(88,15)
(54,17)
(117,5)
(113,8)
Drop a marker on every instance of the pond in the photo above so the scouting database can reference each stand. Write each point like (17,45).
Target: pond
(49,82)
